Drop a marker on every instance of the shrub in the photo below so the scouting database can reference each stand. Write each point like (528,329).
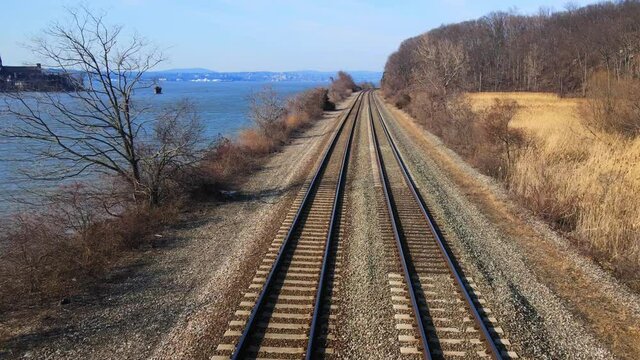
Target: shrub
(311,102)
(503,140)
(296,121)
(613,106)
(32,260)
(228,162)
(174,148)
(450,119)
(137,226)
(402,101)
(366,85)
(486,140)
(223,165)
(266,109)
(52,253)
(255,142)
(342,87)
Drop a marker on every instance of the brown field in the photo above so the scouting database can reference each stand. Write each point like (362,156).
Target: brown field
(586,182)
(543,113)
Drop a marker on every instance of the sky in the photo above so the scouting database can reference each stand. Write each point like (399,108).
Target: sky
(253,35)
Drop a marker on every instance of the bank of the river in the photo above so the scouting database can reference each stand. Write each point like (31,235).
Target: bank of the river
(221,105)
(175,300)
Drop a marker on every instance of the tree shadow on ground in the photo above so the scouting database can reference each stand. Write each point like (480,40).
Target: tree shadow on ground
(116,304)
(115,308)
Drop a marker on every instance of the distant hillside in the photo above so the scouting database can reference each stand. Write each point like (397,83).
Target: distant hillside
(187,71)
(202,75)
(555,52)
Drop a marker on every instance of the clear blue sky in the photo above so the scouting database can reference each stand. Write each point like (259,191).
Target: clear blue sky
(275,35)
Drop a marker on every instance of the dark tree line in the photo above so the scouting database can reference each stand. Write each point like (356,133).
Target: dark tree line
(555,52)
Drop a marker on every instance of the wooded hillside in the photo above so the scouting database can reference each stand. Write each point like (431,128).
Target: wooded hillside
(555,52)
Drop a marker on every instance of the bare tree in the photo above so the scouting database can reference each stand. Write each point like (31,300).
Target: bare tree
(442,64)
(174,147)
(97,126)
(266,109)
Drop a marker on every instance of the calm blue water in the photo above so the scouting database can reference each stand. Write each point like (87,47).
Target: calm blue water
(221,105)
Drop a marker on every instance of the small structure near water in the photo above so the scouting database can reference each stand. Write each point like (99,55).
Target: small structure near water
(34,78)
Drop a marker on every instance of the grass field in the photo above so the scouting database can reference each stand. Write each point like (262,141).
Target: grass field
(586,182)
(542,113)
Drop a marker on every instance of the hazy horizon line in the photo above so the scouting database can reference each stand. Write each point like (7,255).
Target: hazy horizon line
(273,71)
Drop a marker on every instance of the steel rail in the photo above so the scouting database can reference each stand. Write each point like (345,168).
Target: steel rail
(403,259)
(242,342)
(495,352)
(327,249)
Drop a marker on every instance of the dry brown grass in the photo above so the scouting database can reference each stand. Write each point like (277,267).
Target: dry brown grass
(586,182)
(254,141)
(53,253)
(602,311)
(227,163)
(296,121)
(548,110)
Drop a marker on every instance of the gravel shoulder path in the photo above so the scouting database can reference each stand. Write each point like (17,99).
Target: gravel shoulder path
(366,328)
(174,301)
(552,301)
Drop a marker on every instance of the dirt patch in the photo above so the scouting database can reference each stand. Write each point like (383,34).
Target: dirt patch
(555,302)
(174,301)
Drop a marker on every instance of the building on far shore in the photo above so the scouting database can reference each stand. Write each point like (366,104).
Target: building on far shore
(34,78)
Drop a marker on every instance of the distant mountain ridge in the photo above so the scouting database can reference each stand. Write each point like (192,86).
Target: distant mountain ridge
(186,70)
(206,75)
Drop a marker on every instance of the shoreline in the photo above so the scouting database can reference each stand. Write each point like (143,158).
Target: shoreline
(219,110)
(195,259)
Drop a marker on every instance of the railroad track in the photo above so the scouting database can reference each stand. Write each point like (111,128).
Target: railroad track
(438,314)
(286,311)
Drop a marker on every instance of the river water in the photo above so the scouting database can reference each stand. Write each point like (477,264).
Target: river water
(222,107)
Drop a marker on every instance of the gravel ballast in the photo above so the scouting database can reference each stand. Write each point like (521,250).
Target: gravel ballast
(366,327)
